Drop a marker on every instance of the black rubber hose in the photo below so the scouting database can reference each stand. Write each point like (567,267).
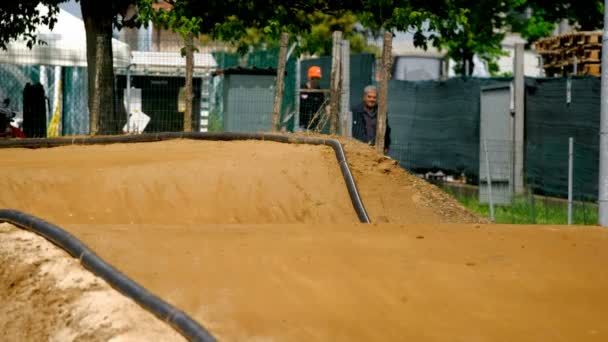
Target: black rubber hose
(225,136)
(181,322)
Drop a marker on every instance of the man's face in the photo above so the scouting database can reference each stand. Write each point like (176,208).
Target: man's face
(369,99)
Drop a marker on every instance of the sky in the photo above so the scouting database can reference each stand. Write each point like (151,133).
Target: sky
(71,7)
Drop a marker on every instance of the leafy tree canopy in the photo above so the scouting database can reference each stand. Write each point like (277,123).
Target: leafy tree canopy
(21,18)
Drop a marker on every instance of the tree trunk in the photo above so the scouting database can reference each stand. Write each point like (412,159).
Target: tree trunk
(467,65)
(335,82)
(97,16)
(95,101)
(385,72)
(189,73)
(278,95)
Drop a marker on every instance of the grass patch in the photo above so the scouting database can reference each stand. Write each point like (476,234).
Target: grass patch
(533,210)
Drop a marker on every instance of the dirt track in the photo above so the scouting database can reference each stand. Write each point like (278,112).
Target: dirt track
(46,295)
(184,182)
(196,222)
(348,282)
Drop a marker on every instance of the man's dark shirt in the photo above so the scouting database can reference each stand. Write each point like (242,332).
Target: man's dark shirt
(365,124)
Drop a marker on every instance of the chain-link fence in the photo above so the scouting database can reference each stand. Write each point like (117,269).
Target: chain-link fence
(494,193)
(45,90)
(435,125)
(142,84)
(437,128)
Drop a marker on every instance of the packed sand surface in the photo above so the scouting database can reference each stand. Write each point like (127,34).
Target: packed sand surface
(355,282)
(258,241)
(46,295)
(391,195)
(186,182)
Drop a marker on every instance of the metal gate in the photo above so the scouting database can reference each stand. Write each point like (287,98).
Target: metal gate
(496,144)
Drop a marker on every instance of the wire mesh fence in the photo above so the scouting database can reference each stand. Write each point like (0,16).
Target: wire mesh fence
(47,88)
(143,82)
(435,125)
(314,113)
(543,200)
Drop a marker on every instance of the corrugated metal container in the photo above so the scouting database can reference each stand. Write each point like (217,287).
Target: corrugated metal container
(248,97)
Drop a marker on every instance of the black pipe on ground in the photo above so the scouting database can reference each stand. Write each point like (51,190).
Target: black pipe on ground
(181,322)
(163,310)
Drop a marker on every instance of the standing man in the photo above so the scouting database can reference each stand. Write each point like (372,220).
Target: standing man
(311,101)
(365,119)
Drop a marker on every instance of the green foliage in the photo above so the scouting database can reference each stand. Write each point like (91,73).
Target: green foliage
(20,19)
(180,19)
(249,23)
(216,122)
(263,25)
(487,21)
(536,19)
(314,41)
(480,34)
(588,14)
(532,27)
(505,74)
(434,16)
(318,40)
(243,22)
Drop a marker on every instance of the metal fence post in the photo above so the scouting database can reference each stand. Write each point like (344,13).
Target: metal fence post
(603,177)
(488,179)
(519,120)
(296,121)
(128,98)
(570,166)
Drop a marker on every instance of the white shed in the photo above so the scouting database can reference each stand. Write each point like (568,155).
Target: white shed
(66,45)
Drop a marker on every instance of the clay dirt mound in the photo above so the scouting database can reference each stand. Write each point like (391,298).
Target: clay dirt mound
(185,181)
(46,295)
(114,197)
(392,195)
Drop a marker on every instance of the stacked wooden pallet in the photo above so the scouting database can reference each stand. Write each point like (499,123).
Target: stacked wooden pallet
(580,51)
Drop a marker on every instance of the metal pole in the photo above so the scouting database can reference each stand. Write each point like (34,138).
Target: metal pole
(345,74)
(445,68)
(603,181)
(128,97)
(296,121)
(513,143)
(519,91)
(570,167)
(575,66)
(489,179)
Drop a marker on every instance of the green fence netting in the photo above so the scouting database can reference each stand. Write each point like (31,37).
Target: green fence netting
(556,109)
(435,124)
